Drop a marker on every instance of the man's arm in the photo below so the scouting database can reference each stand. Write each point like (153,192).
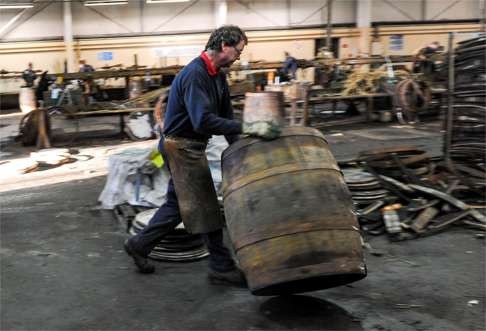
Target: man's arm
(228,111)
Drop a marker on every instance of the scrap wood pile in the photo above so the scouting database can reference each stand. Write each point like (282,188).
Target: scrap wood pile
(368,82)
(403,192)
(468,148)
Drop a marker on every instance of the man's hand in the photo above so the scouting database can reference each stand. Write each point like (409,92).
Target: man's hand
(262,129)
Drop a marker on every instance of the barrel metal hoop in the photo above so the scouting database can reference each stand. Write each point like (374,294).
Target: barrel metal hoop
(235,148)
(243,243)
(275,171)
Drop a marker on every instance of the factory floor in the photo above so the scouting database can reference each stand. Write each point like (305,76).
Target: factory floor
(63,266)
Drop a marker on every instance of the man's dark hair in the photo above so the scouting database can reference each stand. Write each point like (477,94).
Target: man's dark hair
(230,35)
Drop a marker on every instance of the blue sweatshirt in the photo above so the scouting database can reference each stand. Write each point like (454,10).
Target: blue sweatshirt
(199,105)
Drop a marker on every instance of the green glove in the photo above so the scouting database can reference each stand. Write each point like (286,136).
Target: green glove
(262,129)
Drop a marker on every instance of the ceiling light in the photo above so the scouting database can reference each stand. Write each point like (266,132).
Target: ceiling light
(104,3)
(16,6)
(166,1)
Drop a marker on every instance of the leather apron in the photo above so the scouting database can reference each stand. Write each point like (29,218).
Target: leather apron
(198,202)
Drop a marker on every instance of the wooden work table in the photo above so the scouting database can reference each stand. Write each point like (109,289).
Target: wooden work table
(43,140)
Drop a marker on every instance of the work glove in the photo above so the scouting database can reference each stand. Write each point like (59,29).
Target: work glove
(262,129)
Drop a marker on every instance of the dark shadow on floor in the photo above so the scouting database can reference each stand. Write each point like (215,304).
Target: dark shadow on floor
(302,312)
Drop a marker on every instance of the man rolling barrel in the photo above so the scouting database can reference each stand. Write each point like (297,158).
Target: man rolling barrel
(198,107)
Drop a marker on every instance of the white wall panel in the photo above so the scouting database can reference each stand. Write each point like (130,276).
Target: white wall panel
(301,49)
(6,15)
(396,10)
(171,17)
(257,14)
(273,13)
(46,23)
(314,12)
(118,19)
(51,61)
(199,16)
(452,10)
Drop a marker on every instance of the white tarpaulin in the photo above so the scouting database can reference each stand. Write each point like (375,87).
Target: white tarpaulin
(133,179)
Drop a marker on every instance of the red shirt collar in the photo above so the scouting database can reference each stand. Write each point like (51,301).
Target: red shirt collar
(209,65)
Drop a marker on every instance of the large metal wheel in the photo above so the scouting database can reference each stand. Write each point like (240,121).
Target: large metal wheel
(411,97)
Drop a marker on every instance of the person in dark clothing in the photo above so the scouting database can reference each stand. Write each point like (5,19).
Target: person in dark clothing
(423,62)
(29,76)
(198,107)
(84,67)
(43,86)
(88,84)
(290,66)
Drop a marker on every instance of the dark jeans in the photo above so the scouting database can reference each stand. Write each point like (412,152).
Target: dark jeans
(165,220)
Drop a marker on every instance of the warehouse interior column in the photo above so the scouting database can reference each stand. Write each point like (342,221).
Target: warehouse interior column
(68,36)
(221,12)
(363,19)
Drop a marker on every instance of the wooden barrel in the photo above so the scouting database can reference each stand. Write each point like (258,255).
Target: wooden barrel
(289,214)
(264,106)
(27,99)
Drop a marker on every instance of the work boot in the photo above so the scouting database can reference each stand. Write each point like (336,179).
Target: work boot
(141,262)
(234,277)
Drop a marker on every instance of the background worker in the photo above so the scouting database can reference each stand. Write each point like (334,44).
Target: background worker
(87,83)
(198,107)
(42,87)
(29,76)
(84,67)
(290,66)
(423,58)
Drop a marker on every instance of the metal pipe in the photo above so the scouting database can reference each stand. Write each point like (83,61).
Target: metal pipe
(423,10)
(141,8)
(68,36)
(288,11)
(329,26)
(482,7)
(221,13)
(450,100)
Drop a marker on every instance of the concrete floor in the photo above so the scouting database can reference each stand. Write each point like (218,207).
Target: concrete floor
(63,268)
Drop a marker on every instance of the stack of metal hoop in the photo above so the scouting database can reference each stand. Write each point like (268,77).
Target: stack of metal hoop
(178,245)
(468,150)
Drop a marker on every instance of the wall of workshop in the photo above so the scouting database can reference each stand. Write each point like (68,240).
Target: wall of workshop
(282,14)
(137,17)
(405,10)
(415,37)
(145,29)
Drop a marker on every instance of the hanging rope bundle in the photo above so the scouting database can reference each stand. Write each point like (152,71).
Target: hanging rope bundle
(368,82)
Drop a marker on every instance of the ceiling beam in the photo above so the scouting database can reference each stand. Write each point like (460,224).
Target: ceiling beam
(23,17)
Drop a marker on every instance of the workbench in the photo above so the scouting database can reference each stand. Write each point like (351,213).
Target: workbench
(369,98)
(43,140)
(311,99)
